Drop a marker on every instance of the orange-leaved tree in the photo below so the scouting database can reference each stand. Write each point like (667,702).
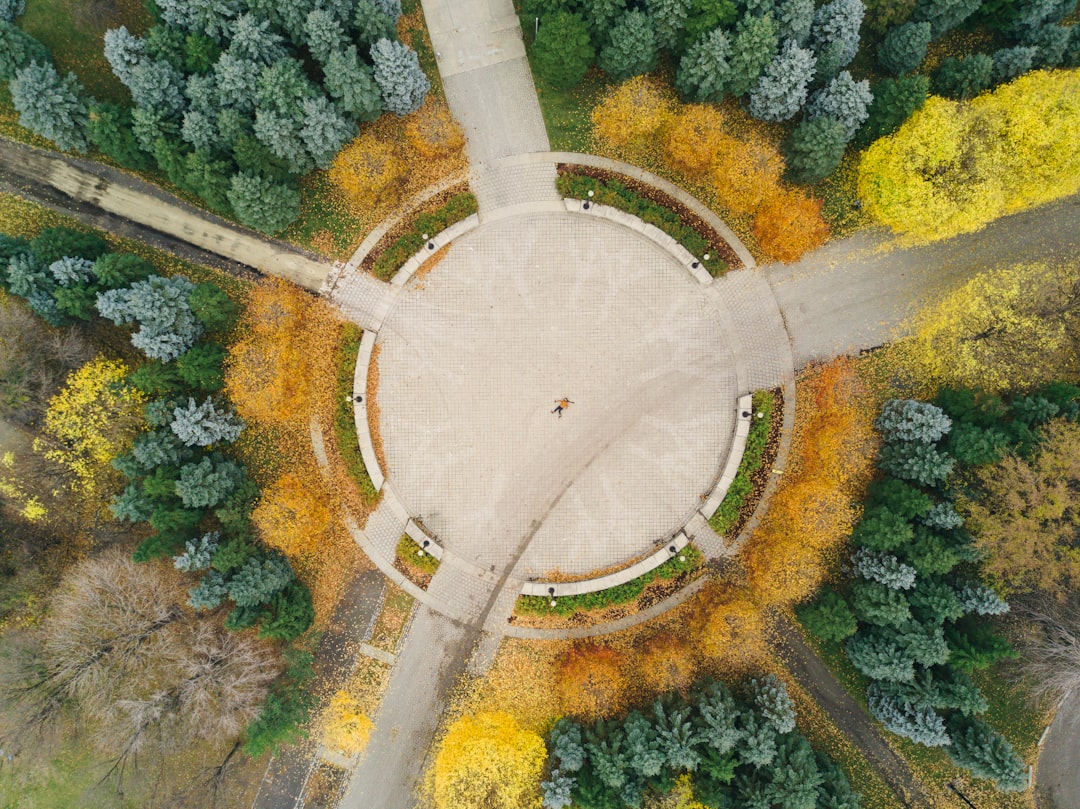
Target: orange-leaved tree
(633,113)
(666,663)
(789,224)
(812,512)
(432,131)
(592,681)
(489,761)
(746,172)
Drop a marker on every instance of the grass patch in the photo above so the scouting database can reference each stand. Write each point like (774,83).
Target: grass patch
(393,617)
(415,559)
(727,515)
(617,195)
(567,113)
(344,422)
(688,560)
(326,225)
(405,246)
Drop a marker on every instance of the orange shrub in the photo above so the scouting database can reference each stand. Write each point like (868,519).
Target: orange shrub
(666,663)
(368,170)
(789,224)
(591,682)
(746,172)
(694,137)
(634,112)
(730,626)
(432,132)
(292,515)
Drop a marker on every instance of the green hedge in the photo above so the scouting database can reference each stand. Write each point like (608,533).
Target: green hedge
(344,423)
(727,515)
(620,594)
(617,195)
(390,260)
(409,554)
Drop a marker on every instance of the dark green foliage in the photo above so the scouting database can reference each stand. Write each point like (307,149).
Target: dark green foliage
(200,53)
(155,378)
(978,748)
(287,707)
(932,552)
(371,24)
(200,368)
(895,100)
(351,83)
(1051,43)
(240,618)
(727,515)
(644,755)
(260,576)
(971,407)
(814,149)
(208,176)
(708,15)
(900,498)
(631,48)
(18,49)
(590,792)
(794,777)
(289,615)
(915,461)
(835,791)
(263,204)
(109,129)
(161,483)
(669,19)
(214,309)
(933,600)
(880,656)
(53,244)
(704,69)
(975,446)
(234,513)
(925,644)
(965,77)
(829,617)
(944,15)
(753,45)
(562,52)
(160,544)
(231,555)
(877,604)
(390,260)
(881,529)
(115,270)
(974,645)
(904,47)
(251,156)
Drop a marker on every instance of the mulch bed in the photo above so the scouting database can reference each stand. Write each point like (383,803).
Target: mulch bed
(405,224)
(703,228)
(417,577)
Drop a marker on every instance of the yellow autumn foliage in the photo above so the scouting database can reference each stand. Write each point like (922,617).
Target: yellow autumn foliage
(489,761)
(955,166)
(694,138)
(746,172)
(1010,328)
(432,131)
(634,112)
(292,515)
(347,729)
(368,169)
(91,421)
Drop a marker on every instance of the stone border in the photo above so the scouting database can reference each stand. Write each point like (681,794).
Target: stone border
(647,177)
(738,447)
(426,541)
(435,243)
(360,414)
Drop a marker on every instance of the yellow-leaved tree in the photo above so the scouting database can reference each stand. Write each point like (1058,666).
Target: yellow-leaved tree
(746,172)
(694,138)
(954,166)
(293,515)
(1013,328)
(489,761)
(91,421)
(633,113)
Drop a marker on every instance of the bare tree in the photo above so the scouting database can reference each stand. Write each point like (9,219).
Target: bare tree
(1050,651)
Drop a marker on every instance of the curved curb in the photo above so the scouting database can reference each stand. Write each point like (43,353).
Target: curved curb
(360,414)
(435,243)
(647,177)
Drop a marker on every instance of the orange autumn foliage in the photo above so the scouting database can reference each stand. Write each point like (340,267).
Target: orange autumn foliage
(292,515)
(368,169)
(789,224)
(694,138)
(634,112)
(432,132)
(730,626)
(278,370)
(590,681)
(666,663)
(746,172)
(814,509)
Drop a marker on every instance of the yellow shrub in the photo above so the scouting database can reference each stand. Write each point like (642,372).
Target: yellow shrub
(432,132)
(489,761)
(292,515)
(634,112)
(368,170)
(955,166)
(746,172)
(347,729)
(694,137)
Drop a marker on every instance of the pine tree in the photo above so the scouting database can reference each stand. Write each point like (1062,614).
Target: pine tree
(834,35)
(844,99)
(978,748)
(325,130)
(159,448)
(167,326)
(781,90)
(210,592)
(829,617)
(236,79)
(881,529)
(351,83)
(814,149)
(18,49)
(883,568)
(965,77)
(835,791)
(290,613)
(915,461)
(703,70)
(565,745)
(197,553)
(669,18)
(258,578)
(956,690)
(904,47)
(944,15)
(109,129)
(203,424)
(719,717)
(132,504)
(324,33)
(677,736)
(29,278)
(1051,43)
(263,204)
(123,51)
(604,744)
(877,604)
(921,724)
(976,446)
(156,85)
(934,601)
(759,740)
(880,657)
(772,700)
(631,49)
(51,105)
(208,482)
(254,39)
(643,754)
(912,420)
(935,552)
(979,599)
(556,790)
(926,644)
(753,46)
(900,498)
(398,74)
(793,20)
(895,100)
(794,777)
(973,647)
(562,51)
(214,309)
(372,24)
(210,17)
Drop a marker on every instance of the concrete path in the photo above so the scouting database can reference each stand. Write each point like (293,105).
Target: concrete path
(1057,782)
(853,294)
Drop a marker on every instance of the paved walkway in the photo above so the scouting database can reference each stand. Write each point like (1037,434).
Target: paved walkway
(1057,782)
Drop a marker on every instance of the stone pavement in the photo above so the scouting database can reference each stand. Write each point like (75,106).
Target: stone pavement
(1057,782)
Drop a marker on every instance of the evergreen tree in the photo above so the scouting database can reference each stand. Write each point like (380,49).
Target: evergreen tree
(877,604)
(669,18)
(159,447)
(759,740)
(794,777)
(915,461)
(29,278)
(643,754)
(258,578)
(814,149)
(708,15)
(898,497)
(209,593)
(978,748)
(944,15)
(956,690)
(835,791)
(325,130)
(289,614)
(925,644)
(942,516)
(895,100)
(834,35)
(934,601)
(793,20)
(973,647)
(556,790)
(167,326)
(933,552)
(263,204)
(677,737)
(201,369)
(53,244)
(719,717)
(1051,42)
(965,77)
(372,24)
(880,657)
(631,48)
(772,700)
(829,617)
(844,99)
(979,599)
(208,482)
(753,46)
(123,51)
(280,133)
(351,83)
(203,424)
(881,529)
(562,52)
(912,420)
(17,50)
(254,39)
(398,74)
(781,90)
(921,724)
(197,553)
(156,85)
(50,105)
(604,744)
(109,127)
(883,568)
(904,47)
(214,309)
(600,17)
(211,17)
(974,445)
(566,745)
(236,80)
(324,34)
(132,504)
(703,70)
